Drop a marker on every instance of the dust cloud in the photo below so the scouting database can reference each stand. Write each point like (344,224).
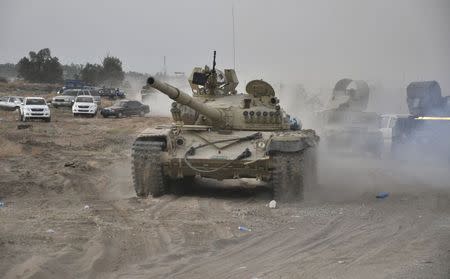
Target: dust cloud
(347,174)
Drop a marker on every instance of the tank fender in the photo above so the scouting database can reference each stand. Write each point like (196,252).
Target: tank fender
(155,134)
(292,143)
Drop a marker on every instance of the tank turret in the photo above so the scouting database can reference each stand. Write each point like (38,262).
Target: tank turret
(351,95)
(424,98)
(215,102)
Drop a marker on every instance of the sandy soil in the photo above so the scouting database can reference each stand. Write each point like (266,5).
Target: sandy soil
(70,212)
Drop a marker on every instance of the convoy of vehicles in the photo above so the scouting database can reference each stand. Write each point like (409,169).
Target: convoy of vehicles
(125,108)
(10,102)
(35,108)
(84,105)
(225,120)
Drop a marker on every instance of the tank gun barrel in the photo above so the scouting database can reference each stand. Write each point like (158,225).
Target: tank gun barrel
(184,99)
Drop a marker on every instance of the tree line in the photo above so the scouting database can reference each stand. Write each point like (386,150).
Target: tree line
(42,67)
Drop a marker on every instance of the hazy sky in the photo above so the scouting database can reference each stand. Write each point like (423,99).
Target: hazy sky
(315,42)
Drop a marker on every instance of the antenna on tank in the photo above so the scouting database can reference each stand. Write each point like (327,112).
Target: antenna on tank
(214,63)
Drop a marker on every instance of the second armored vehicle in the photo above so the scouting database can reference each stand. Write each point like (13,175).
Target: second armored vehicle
(425,133)
(346,126)
(221,134)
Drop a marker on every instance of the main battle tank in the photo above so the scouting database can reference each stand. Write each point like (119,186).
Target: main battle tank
(345,125)
(221,134)
(424,135)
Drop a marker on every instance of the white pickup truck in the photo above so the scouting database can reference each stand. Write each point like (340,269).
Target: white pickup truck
(35,108)
(10,102)
(84,105)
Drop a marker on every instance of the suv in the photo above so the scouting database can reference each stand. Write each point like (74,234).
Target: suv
(84,105)
(126,108)
(34,107)
(67,98)
(10,103)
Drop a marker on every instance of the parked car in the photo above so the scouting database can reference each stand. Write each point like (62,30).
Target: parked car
(34,108)
(67,98)
(84,105)
(10,102)
(125,108)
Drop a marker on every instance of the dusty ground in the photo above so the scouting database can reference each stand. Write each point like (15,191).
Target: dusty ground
(70,212)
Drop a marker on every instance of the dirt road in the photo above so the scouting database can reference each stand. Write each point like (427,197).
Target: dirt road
(70,212)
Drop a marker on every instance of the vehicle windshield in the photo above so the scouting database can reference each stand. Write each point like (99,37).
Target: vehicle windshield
(72,93)
(37,102)
(84,100)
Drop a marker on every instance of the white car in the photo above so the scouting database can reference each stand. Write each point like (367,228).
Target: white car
(10,102)
(35,108)
(84,105)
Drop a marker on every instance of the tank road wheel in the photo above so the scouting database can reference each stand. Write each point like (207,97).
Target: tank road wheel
(148,177)
(294,173)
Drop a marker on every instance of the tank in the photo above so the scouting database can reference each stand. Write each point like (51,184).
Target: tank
(423,135)
(221,134)
(345,125)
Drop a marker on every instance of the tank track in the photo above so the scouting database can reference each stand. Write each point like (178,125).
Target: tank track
(294,173)
(148,177)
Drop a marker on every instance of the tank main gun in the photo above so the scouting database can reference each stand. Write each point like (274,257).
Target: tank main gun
(184,99)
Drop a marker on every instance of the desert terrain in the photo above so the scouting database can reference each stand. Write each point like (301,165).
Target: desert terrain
(69,211)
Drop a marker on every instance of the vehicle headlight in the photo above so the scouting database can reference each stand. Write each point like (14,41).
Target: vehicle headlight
(261,145)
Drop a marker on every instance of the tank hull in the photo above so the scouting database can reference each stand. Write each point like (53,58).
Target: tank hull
(217,153)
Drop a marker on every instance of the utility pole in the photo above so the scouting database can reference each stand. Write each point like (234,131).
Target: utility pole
(164,67)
